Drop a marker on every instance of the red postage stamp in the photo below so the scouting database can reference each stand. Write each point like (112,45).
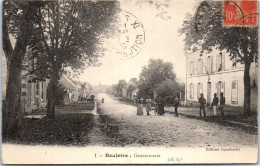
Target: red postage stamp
(240,13)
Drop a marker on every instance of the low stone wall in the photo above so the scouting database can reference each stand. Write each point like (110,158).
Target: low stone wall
(33,107)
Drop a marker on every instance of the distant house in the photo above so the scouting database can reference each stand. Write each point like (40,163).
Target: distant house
(130,90)
(214,73)
(72,88)
(125,91)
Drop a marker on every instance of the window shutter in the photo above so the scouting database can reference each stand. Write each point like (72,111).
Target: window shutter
(211,64)
(223,62)
(216,87)
(188,91)
(201,65)
(192,69)
(198,90)
(217,62)
(192,91)
(197,65)
(207,64)
(201,87)
(191,66)
(234,91)
(223,87)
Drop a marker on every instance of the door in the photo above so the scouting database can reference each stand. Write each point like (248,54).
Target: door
(208,93)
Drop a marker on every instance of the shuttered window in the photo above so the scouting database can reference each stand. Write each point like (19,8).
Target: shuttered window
(220,62)
(191,91)
(209,64)
(234,92)
(199,89)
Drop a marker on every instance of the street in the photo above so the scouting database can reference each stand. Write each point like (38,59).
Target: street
(116,124)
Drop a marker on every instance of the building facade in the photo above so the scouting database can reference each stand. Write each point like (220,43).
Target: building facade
(33,94)
(215,73)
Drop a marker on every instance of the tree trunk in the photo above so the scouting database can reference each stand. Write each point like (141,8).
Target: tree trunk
(247,90)
(52,96)
(13,112)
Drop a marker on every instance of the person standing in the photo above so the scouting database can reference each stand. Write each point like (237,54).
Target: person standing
(38,100)
(176,104)
(202,102)
(214,104)
(148,105)
(140,107)
(222,103)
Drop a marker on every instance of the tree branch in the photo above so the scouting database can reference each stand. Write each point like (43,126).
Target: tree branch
(42,33)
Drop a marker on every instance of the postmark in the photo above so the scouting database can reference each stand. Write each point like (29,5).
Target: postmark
(131,36)
(240,13)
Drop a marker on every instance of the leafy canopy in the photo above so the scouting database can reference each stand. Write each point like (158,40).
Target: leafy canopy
(204,30)
(70,34)
(153,74)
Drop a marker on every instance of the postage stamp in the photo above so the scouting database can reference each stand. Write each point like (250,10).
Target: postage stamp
(132,35)
(240,13)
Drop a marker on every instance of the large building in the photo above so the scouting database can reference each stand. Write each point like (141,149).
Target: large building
(215,73)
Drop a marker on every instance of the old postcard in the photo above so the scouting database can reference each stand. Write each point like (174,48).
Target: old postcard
(129,82)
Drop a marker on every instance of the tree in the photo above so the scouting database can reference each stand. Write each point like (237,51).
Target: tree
(121,84)
(130,89)
(167,89)
(209,34)
(152,75)
(68,33)
(18,18)
(162,7)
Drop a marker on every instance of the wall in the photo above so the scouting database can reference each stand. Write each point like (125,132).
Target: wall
(212,74)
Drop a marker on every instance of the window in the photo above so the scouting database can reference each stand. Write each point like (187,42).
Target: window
(199,89)
(32,92)
(199,67)
(220,87)
(209,64)
(191,67)
(191,91)
(37,88)
(42,89)
(234,92)
(220,62)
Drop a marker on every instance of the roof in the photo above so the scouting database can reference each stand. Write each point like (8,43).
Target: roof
(67,83)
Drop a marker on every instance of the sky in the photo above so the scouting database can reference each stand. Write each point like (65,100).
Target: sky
(162,40)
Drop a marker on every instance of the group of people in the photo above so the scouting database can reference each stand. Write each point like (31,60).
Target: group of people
(159,109)
(202,102)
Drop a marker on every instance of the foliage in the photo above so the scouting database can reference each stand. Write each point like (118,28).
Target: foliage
(162,7)
(18,19)
(167,89)
(68,34)
(61,93)
(121,84)
(131,88)
(204,30)
(240,42)
(153,75)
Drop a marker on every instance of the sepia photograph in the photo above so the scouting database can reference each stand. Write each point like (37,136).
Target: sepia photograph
(129,82)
